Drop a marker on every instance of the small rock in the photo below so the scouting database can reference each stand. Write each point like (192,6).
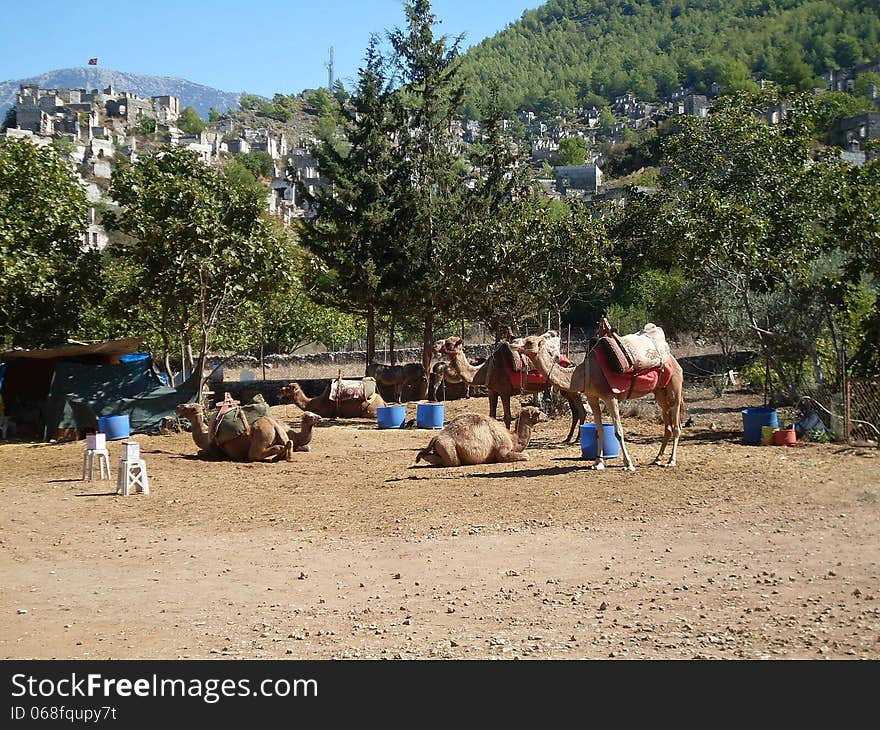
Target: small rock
(603,606)
(22,611)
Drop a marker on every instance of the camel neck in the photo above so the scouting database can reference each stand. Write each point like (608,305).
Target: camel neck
(558,376)
(467,372)
(523,434)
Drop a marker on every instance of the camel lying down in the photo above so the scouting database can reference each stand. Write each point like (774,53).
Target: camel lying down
(472,438)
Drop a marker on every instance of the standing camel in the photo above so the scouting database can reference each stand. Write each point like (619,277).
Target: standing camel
(589,379)
(397,376)
(494,374)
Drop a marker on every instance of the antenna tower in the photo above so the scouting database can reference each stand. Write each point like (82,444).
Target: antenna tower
(329,66)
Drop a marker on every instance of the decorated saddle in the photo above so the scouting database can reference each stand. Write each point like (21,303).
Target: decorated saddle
(341,390)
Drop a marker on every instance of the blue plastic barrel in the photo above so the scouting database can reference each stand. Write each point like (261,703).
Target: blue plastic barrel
(134,357)
(430,415)
(115,427)
(754,419)
(590,447)
(390,416)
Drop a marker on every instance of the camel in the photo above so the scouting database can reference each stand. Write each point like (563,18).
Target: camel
(268,437)
(397,376)
(589,379)
(493,374)
(327,408)
(443,374)
(472,438)
(302,441)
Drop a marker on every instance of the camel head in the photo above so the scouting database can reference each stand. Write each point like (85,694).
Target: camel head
(449,346)
(288,392)
(533,344)
(310,419)
(531,416)
(189,410)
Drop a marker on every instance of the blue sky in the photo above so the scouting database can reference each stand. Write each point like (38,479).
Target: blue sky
(261,48)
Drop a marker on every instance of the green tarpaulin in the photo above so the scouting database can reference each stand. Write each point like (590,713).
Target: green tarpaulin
(81,393)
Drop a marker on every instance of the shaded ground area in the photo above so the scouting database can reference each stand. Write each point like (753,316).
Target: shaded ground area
(352,551)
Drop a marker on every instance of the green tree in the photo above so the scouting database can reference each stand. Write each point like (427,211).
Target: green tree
(348,235)
(201,250)
(260,164)
(190,121)
(572,151)
(431,95)
(790,71)
(744,203)
(863,83)
(734,76)
(47,275)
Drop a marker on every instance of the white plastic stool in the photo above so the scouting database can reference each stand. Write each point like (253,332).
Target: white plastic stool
(132,477)
(96,447)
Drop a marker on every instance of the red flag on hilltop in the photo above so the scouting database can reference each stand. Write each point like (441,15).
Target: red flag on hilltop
(93,62)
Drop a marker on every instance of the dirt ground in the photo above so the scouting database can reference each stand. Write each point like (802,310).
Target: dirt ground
(352,551)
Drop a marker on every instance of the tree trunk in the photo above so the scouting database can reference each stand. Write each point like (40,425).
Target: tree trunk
(392,356)
(371,334)
(427,353)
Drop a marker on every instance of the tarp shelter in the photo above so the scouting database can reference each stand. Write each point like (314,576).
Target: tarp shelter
(59,393)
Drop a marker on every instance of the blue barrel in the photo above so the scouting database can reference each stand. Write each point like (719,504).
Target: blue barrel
(390,416)
(756,418)
(115,427)
(430,415)
(590,447)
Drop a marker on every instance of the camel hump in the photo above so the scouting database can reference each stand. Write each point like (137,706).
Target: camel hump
(511,359)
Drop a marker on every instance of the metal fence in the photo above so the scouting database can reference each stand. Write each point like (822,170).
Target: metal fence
(863,409)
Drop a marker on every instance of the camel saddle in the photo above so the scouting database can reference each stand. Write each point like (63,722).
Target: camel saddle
(522,377)
(234,420)
(636,353)
(626,383)
(341,390)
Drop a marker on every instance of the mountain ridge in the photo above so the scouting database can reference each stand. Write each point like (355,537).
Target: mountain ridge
(198,96)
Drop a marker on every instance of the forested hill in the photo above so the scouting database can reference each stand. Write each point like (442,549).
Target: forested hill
(568,52)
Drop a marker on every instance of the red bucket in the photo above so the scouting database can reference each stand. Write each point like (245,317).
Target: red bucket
(785,437)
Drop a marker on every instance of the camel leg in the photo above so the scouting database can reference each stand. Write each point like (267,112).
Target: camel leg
(675,408)
(512,456)
(505,403)
(282,438)
(440,451)
(493,404)
(596,408)
(259,450)
(578,414)
(618,431)
(663,404)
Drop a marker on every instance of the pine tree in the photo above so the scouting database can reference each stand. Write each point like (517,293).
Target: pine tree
(431,175)
(348,234)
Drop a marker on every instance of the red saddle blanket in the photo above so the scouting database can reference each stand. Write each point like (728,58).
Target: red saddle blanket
(533,379)
(622,383)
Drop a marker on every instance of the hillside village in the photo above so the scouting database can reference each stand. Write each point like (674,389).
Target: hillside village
(99,128)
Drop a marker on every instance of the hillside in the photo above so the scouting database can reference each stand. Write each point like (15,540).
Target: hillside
(569,52)
(200,97)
